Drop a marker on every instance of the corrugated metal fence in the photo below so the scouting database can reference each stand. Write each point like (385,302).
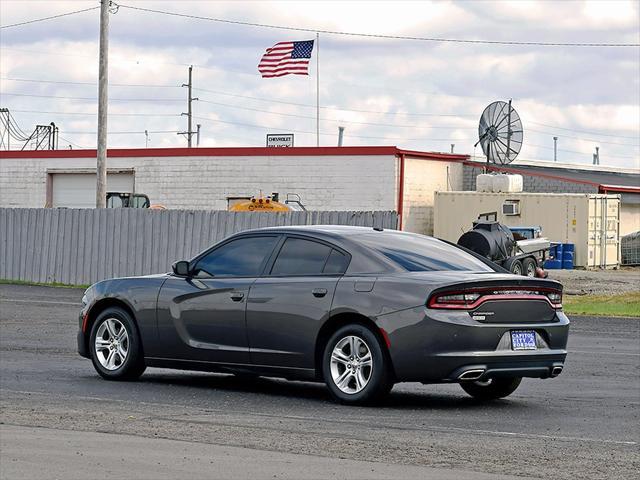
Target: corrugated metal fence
(76,246)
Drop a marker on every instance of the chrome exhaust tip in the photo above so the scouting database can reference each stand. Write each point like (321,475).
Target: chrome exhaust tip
(471,374)
(555,371)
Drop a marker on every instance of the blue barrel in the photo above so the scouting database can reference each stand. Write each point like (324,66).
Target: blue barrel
(556,251)
(553,264)
(568,254)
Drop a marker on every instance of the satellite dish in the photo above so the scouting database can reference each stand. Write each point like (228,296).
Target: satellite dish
(500,132)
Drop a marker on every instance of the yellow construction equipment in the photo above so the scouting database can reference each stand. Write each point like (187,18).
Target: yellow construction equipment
(260,204)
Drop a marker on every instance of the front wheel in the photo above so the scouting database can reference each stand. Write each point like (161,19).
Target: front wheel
(116,351)
(355,367)
(492,388)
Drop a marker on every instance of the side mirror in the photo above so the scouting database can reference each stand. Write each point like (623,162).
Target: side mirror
(181,268)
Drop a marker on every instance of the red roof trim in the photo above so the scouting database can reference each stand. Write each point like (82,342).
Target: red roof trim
(449,157)
(619,188)
(532,174)
(232,152)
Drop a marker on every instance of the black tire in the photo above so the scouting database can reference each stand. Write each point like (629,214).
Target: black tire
(491,389)
(529,266)
(246,376)
(133,365)
(514,266)
(380,378)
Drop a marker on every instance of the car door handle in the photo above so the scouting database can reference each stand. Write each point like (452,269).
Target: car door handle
(236,296)
(319,292)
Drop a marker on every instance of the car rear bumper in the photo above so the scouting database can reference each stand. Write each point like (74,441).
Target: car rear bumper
(441,346)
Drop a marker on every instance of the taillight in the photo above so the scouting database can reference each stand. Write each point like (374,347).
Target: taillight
(456,299)
(474,297)
(555,298)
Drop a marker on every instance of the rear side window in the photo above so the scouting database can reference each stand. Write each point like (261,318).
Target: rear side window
(419,253)
(337,262)
(243,257)
(306,257)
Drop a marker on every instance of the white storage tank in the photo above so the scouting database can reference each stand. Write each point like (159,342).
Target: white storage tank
(507,183)
(484,182)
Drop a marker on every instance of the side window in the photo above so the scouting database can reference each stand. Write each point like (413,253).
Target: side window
(239,258)
(337,263)
(301,257)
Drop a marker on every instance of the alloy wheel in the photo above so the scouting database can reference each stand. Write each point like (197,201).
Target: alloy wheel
(111,344)
(351,364)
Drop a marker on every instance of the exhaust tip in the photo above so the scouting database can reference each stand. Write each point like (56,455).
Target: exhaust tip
(555,371)
(474,374)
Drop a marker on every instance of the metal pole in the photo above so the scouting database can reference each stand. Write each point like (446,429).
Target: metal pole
(509,131)
(198,134)
(340,135)
(317,89)
(555,149)
(146,139)
(189,130)
(103,74)
(452,147)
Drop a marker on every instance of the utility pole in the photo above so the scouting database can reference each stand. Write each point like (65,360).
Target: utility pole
(453,145)
(555,149)
(103,77)
(198,134)
(146,139)
(340,135)
(189,133)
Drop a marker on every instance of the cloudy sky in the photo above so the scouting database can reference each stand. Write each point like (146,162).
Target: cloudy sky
(414,94)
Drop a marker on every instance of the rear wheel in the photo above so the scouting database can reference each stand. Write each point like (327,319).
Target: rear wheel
(116,350)
(355,367)
(529,266)
(514,266)
(492,388)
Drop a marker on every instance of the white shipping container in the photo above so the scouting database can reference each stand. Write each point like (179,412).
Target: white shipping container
(589,221)
(507,183)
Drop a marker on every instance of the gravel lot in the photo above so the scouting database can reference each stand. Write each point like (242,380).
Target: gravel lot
(58,419)
(598,282)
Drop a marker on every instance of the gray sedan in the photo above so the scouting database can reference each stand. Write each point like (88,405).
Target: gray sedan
(357,308)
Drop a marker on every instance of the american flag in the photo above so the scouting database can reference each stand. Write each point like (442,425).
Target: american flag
(286,58)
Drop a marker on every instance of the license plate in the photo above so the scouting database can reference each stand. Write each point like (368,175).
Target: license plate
(523,340)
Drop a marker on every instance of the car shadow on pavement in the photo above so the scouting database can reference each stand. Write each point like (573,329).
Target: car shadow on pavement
(316,392)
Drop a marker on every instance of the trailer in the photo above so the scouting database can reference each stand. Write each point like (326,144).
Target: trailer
(512,251)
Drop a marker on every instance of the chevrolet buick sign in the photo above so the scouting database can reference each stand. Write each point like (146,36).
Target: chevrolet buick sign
(283,140)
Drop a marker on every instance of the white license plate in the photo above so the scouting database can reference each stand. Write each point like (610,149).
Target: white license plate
(523,340)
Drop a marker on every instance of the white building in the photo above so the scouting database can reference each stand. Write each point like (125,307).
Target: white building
(326,178)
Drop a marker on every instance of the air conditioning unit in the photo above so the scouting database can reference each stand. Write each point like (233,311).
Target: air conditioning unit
(511,207)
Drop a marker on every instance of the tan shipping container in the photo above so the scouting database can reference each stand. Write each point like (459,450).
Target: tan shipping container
(590,221)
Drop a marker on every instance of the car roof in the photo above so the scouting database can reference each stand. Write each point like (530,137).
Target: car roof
(332,230)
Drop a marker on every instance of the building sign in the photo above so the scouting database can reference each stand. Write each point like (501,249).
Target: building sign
(283,140)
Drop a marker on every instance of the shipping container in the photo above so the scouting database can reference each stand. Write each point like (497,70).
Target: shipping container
(589,221)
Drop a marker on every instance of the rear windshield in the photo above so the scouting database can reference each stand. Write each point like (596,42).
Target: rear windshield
(418,253)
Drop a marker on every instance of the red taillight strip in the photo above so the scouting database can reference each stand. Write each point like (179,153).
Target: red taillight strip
(489,297)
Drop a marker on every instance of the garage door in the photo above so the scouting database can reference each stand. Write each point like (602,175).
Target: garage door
(78,190)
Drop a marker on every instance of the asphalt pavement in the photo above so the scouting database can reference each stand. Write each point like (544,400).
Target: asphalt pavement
(58,419)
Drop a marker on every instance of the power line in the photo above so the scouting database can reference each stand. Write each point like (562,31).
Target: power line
(93,84)
(93,114)
(95,99)
(583,131)
(141,132)
(586,139)
(372,35)
(48,18)
(70,142)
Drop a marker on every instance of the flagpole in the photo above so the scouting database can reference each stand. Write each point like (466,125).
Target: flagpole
(317,89)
